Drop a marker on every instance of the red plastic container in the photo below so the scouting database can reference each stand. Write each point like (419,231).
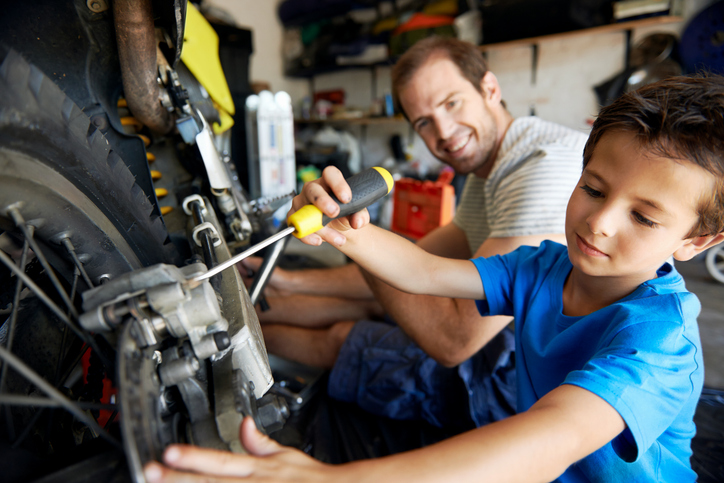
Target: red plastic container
(422,206)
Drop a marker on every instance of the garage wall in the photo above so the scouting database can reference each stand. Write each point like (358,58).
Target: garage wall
(260,16)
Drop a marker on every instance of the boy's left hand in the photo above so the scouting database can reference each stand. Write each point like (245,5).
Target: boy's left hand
(267,460)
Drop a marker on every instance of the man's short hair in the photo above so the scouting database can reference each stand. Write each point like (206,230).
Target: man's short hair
(681,118)
(466,56)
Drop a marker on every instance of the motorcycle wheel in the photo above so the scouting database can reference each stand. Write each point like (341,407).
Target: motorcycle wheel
(715,263)
(68,206)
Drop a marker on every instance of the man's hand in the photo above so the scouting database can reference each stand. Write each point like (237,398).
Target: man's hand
(317,193)
(267,461)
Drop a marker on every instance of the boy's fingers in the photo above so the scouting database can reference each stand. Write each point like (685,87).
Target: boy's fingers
(317,195)
(359,219)
(314,239)
(256,443)
(157,473)
(207,461)
(334,178)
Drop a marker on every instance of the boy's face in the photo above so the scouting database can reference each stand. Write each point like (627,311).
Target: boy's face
(632,209)
(450,115)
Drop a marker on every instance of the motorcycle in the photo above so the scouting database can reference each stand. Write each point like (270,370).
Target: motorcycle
(118,192)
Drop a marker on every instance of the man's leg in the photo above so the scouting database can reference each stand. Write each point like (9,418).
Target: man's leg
(313,347)
(383,371)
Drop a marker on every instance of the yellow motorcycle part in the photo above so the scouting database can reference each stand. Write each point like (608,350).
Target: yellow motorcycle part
(226,120)
(200,54)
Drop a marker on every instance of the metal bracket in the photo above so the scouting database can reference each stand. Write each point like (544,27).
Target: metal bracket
(206,226)
(189,199)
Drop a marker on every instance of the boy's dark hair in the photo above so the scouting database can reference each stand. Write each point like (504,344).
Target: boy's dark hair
(466,56)
(678,118)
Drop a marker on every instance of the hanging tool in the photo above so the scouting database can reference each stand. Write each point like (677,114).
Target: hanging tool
(367,187)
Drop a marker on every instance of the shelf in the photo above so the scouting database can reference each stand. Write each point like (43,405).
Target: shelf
(527,42)
(363,121)
(308,72)
(614,27)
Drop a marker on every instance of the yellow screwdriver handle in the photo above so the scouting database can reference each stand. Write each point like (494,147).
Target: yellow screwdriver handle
(367,187)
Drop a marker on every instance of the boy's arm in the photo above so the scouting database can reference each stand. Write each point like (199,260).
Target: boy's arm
(450,330)
(406,266)
(566,425)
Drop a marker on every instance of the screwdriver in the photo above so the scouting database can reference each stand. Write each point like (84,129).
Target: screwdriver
(367,187)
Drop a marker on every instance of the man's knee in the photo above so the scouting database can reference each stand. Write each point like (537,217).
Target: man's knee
(336,336)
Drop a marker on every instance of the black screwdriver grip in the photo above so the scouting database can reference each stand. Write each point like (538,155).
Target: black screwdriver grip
(367,187)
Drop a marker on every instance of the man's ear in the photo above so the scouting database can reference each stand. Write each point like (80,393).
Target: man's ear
(490,88)
(696,245)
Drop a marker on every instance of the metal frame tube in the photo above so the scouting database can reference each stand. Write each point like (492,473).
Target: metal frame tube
(136,38)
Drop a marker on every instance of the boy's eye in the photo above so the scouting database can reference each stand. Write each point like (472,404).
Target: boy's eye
(641,219)
(591,192)
(451,104)
(420,124)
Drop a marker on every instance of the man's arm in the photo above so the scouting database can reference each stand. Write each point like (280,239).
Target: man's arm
(317,311)
(345,281)
(450,330)
(564,426)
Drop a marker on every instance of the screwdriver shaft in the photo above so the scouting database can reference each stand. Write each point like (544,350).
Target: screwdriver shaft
(239,257)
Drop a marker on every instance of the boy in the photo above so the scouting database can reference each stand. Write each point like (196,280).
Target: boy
(608,353)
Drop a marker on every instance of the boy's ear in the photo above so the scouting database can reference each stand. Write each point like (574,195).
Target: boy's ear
(697,245)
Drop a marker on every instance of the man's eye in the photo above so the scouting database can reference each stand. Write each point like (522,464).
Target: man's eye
(420,124)
(591,192)
(641,219)
(451,104)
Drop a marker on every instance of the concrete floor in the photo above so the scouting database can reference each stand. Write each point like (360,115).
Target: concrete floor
(711,319)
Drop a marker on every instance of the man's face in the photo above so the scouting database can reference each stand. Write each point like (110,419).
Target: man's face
(631,209)
(451,116)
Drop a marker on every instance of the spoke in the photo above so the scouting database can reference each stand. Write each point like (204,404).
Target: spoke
(56,395)
(53,307)
(110,420)
(42,402)
(20,223)
(40,294)
(14,315)
(78,264)
(28,232)
(39,413)
(24,434)
(61,352)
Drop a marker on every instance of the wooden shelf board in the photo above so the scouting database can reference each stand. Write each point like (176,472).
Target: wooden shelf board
(359,120)
(614,27)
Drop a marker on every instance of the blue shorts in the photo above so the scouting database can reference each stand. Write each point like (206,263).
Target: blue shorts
(386,373)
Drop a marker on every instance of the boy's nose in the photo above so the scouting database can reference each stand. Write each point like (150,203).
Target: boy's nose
(602,221)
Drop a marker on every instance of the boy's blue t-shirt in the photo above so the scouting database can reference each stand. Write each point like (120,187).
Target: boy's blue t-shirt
(641,354)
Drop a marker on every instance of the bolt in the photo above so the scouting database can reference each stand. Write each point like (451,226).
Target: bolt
(97,6)
(99,120)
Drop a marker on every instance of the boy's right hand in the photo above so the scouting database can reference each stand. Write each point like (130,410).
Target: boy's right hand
(317,193)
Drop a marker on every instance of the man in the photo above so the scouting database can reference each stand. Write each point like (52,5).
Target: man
(521,173)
